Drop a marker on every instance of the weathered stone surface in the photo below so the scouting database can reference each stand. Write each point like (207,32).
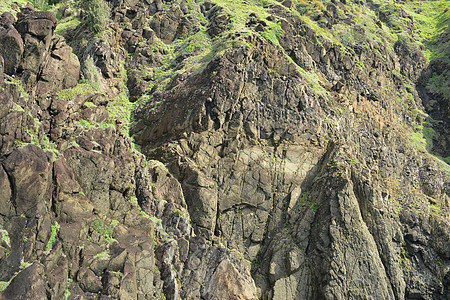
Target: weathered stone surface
(38,23)
(301,165)
(89,281)
(61,71)
(36,29)
(93,172)
(6,206)
(167,187)
(6,104)
(30,172)
(166,25)
(28,284)
(7,20)
(65,178)
(201,199)
(11,48)
(2,66)
(227,282)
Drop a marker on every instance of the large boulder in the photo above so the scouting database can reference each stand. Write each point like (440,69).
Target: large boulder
(38,23)
(36,28)
(167,25)
(201,198)
(62,71)
(7,20)
(6,103)
(94,172)
(6,207)
(11,48)
(30,172)
(28,284)
(229,281)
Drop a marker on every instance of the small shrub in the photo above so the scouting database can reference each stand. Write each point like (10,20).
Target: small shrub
(92,75)
(79,89)
(96,14)
(40,4)
(106,230)
(55,229)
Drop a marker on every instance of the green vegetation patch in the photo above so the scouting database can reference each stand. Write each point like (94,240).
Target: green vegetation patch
(440,84)
(52,239)
(12,6)
(67,24)
(101,228)
(422,137)
(96,14)
(79,89)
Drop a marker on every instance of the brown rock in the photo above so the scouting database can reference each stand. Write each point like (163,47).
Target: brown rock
(2,66)
(6,207)
(166,25)
(288,3)
(36,29)
(39,23)
(62,71)
(64,178)
(88,281)
(27,9)
(11,48)
(7,20)
(167,187)
(28,284)
(6,103)
(57,278)
(95,114)
(30,171)
(229,283)
(93,171)
(201,198)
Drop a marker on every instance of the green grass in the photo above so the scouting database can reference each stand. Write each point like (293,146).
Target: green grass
(102,255)
(274,32)
(19,84)
(52,239)
(64,25)
(240,10)
(430,19)
(79,89)
(422,137)
(92,75)
(440,84)
(101,228)
(9,6)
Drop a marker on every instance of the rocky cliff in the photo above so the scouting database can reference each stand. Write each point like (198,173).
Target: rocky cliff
(224,150)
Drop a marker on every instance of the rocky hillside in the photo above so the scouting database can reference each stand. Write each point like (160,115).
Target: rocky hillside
(224,149)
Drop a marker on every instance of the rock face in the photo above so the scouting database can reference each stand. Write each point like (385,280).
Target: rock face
(45,64)
(12,49)
(278,164)
(306,172)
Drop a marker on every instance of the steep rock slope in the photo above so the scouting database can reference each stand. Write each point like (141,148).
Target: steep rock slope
(294,148)
(287,154)
(74,192)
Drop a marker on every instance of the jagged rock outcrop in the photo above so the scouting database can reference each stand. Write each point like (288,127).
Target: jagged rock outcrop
(303,175)
(79,208)
(12,49)
(278,164)
(45,63)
